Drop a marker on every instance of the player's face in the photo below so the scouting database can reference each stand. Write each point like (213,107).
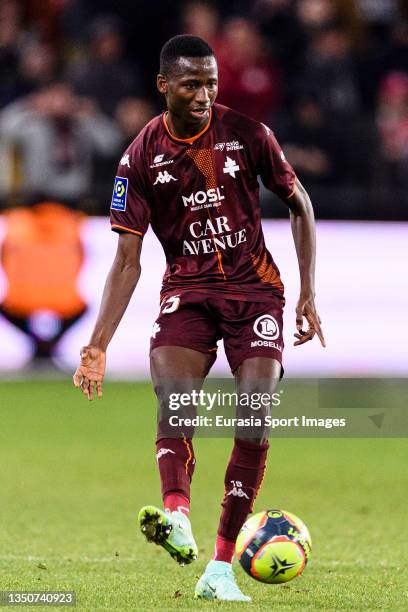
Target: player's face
(191,89)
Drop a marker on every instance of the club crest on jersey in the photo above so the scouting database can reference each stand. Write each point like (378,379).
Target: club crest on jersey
(119,193)
(230,167)
(164,177)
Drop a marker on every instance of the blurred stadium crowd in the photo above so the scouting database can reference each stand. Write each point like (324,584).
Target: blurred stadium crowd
(77,83)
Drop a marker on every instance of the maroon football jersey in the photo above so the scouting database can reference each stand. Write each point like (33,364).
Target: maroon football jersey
(201,197)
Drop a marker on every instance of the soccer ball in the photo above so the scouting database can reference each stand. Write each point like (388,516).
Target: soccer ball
(273,546)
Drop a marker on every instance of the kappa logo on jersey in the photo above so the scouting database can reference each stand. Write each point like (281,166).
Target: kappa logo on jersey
(164,451)
(125,160)
(236,490)
(230,167)
(164,177)
(266,327)
(119,193)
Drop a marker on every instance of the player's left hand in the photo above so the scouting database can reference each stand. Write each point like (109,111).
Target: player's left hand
(306,308)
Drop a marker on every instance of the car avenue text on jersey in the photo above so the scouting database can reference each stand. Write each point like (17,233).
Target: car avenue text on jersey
(211,236)
(201,198)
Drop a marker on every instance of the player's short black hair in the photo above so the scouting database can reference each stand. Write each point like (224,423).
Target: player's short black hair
(183,45)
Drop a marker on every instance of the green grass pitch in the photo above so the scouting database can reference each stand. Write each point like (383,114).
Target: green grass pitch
(74,474)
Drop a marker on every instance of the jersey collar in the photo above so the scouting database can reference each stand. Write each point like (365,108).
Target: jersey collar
(187,140)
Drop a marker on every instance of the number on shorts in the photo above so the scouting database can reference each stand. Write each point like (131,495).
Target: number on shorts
(172,304)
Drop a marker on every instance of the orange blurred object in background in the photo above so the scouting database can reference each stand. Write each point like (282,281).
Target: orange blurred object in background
(42,256)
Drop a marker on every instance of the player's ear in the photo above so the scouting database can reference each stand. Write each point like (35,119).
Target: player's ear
(162,84)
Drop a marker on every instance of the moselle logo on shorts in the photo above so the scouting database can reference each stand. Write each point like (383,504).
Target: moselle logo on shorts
(119,193)
(267,328)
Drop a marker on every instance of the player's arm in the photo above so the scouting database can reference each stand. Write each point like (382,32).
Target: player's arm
(120,284)
(304,236)
(278,176)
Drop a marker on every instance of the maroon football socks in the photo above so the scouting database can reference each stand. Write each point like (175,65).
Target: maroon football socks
(243,479)
(176,462)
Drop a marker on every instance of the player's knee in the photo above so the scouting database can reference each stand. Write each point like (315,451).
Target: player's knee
(157,362)
(160,391)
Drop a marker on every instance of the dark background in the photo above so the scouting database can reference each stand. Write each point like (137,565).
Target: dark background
(329,77)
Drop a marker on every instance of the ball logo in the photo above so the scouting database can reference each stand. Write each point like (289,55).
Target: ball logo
(266,327)
(119,189)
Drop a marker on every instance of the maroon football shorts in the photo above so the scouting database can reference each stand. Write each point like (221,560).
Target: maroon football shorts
(197,320)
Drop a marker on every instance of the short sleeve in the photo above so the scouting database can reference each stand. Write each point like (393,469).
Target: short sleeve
(275,171)
(129,209)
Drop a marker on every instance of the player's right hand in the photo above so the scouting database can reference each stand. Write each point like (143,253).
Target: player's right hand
(89,374)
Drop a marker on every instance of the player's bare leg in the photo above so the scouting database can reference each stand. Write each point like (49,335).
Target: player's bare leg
(243,479)
(174,370)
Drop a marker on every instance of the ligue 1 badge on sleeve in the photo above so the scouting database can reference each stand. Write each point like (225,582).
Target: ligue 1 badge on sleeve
(119,193)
